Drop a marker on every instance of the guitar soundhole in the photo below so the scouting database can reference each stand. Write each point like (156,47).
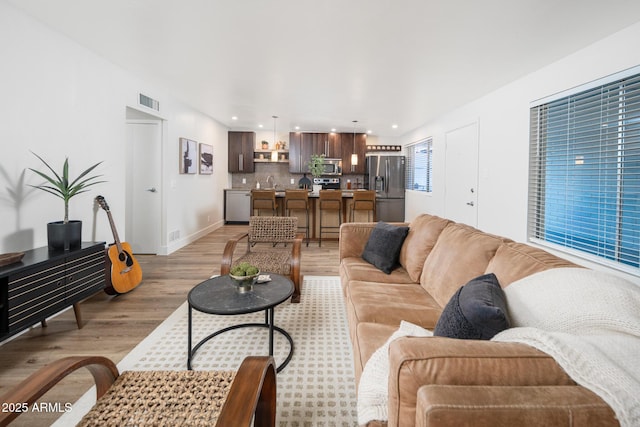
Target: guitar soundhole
(126,258)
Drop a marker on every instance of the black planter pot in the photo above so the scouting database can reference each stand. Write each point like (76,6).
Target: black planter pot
(63,236)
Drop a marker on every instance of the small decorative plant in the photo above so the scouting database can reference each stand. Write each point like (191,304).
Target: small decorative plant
(316,165)
(244,275)
(244,269)
(61,186)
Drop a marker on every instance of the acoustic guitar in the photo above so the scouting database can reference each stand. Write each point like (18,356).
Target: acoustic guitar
(124,273)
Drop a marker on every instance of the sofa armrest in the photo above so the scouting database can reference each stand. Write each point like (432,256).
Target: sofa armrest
(414,362)
(488,406)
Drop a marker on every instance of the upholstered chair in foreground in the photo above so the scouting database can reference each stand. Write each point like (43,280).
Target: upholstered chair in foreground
(186,398)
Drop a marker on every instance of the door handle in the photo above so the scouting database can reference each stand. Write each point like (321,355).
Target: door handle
(471,203)
(152,190)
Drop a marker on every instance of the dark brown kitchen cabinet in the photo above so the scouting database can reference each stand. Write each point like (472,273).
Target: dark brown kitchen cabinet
(328,144)
(46,282)
(302,146)
(296,162)
(349,148)
(241,151)
(332,145)
(312,143)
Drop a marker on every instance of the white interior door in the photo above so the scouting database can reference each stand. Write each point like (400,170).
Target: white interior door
(461,174)
(144,171)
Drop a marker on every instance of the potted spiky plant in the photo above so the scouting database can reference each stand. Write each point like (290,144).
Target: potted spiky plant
(316,167)
(65,234)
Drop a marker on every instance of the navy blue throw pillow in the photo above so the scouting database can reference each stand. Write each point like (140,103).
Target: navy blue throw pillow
(384,244)
(478,310)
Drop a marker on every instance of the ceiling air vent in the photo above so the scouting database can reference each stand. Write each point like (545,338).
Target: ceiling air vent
(149,102)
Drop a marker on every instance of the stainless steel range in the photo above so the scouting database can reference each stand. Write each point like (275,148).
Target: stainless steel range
(328,183)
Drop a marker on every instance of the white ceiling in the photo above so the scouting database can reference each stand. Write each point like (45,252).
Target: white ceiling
(320,64)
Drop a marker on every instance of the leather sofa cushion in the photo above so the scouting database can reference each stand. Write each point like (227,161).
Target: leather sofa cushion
(355,268)
(389,303)
(460,254)
(423,233)
(513,261)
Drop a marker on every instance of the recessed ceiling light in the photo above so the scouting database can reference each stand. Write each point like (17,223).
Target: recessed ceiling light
(297,127)
(395,126)
(234,118)
(260,125)
(369,131)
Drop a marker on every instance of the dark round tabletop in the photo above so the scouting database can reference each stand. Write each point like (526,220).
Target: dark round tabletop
(220,295)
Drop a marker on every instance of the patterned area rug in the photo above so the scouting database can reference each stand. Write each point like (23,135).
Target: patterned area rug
(317,388)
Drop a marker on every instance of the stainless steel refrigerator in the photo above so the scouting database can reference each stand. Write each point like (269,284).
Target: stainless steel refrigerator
(385,174)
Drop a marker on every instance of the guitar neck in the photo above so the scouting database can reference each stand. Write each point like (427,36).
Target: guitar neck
(114,231)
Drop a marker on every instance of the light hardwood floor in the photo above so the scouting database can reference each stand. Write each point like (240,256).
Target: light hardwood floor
(113,326)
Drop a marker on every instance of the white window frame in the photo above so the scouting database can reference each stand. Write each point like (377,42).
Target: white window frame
(420,171)
(583,168)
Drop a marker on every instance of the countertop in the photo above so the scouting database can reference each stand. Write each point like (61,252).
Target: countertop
(281,193)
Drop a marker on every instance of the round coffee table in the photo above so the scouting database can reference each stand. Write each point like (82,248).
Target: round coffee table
(220,295)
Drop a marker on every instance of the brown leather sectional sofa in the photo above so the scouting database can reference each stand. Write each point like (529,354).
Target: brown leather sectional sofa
(438,381)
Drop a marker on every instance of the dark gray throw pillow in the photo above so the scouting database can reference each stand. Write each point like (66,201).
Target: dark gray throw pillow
(478,310)
(384,244)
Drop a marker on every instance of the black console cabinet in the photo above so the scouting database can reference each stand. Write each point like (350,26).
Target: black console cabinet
(46,282)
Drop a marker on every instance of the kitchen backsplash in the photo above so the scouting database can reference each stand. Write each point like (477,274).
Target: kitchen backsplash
(281,177)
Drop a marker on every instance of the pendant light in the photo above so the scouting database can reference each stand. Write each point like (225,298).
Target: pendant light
(274,153)
(354,156)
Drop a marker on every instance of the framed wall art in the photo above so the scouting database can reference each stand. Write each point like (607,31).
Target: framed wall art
(206,159)
(188,156)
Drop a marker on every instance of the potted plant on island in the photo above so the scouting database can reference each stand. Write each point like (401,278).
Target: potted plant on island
(316,167)
(65,234)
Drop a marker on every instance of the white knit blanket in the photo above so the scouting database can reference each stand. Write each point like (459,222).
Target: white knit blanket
(589,322)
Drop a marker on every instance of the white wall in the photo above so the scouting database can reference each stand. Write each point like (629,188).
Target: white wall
(503,118)
(58,99)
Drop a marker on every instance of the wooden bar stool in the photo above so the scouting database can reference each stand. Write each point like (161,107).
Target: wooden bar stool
(364,201)
(298,200)
(264,200)
(330,202)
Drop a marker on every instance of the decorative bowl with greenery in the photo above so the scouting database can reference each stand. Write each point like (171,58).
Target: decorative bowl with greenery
(244,273)
(65,234)
(316,165)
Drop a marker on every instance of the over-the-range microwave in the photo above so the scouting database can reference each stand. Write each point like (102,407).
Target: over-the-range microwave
(332,167)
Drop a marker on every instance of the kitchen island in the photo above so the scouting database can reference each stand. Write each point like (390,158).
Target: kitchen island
(314,213)
(347,196)
(314,223)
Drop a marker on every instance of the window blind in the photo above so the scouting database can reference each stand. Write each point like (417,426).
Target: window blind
(584,172)
(419,166)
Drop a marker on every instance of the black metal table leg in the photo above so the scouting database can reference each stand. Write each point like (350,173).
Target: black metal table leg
(189,341)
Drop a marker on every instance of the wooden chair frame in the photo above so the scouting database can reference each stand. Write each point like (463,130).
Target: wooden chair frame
(252,394)
(365,201)
(264,200)
(329,200)
(294,261)
(298,200)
